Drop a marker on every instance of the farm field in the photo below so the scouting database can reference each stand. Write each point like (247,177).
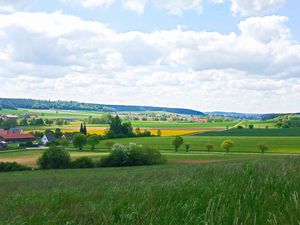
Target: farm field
(235,192)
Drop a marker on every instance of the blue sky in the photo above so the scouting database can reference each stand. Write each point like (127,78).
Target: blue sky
(209,55)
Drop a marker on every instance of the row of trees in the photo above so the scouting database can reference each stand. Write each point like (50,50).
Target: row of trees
(225,145)
(42,122)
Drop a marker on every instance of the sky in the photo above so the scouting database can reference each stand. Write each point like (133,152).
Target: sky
(207,55)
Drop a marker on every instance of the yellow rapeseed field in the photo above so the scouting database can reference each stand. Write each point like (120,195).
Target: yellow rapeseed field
(102,131)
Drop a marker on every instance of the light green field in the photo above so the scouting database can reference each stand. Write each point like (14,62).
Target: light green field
(76,114)
(182,125)
(262,191)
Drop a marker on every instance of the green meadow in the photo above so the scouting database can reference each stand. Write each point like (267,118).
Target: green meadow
(260,191)
(198,143)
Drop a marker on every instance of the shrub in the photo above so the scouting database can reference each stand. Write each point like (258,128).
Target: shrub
(12,166)
(82,162)
(54,158)
(28,145)
(134,155)
(251,126)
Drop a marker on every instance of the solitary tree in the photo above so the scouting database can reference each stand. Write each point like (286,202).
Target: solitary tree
(158,132)
(84,129)
(209,147)
(262,148)
(92,141)
(177,142)
(227,145)
(79,141)
(187,147)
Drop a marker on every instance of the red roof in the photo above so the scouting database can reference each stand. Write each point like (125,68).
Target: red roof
(14,135)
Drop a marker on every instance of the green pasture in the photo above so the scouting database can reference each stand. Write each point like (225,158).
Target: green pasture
(261,191)
(276,132)
(242,144)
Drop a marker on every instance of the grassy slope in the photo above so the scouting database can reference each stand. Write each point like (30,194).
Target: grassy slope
(257,192)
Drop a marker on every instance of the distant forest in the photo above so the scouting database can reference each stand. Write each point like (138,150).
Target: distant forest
(10,103)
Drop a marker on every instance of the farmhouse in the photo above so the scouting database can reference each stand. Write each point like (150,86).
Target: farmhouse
(12,136)
(48,138)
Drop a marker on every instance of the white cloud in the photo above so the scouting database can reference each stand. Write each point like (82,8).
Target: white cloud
(255,7)
(265,29)
(14,5)
(177,7)
(91,3)
(58,56)
(135,5)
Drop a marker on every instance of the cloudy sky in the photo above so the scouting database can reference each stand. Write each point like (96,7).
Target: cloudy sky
(208,55)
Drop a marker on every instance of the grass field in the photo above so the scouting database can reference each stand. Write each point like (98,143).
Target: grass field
(284,132)
(261,191)
(242,144)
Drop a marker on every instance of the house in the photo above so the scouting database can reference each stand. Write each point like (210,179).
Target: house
(68,136)
(3,145)
(7,117)
(11,136)
(201,120)
(18,130)
(48,138)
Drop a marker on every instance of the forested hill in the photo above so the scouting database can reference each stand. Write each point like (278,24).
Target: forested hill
(72,105)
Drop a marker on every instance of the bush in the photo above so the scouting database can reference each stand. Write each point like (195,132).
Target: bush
(12,166)
(82,162)
(28,145)
(134,155)
(54,158)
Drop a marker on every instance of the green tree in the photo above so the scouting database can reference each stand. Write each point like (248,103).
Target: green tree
(177,142)
(92,141)
(263,148)
(209,147)
(227,145)
(187,147)
(58,133)
(158,132)
(79,141)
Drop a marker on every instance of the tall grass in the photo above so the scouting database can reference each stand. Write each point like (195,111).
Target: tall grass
(264,191)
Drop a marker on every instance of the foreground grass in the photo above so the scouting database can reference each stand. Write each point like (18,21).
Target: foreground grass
(264,191)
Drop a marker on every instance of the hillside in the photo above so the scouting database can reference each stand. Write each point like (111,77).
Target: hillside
(11,103)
